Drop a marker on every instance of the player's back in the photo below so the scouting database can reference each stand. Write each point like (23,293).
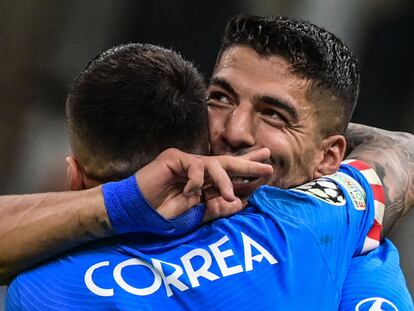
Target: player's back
(277,254)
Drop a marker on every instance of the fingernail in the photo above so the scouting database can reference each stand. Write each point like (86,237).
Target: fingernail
(231,193)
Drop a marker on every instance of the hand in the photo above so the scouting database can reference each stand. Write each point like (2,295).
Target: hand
(217,206)
(172,183)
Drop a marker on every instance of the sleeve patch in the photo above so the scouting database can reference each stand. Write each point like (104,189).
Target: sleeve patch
(374,235)
(356,192)
(324,190)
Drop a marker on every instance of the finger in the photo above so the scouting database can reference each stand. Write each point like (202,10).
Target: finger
(220,179)
(188,166)
(218,207)
(236,166)
(258,155)
(195,174)
(159,179)
(177,205)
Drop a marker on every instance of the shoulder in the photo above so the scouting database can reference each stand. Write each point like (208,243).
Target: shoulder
(355,183)
(369,278)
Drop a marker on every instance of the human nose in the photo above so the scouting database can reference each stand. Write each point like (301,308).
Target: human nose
(238,130)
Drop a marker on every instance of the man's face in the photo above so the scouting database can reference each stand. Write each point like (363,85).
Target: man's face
(256,102)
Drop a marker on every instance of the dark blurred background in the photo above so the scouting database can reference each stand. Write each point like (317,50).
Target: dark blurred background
(46,43)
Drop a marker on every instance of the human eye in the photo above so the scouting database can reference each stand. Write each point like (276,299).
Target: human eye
(217,98)
(273,115)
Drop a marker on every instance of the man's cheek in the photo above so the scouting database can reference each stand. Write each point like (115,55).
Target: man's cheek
(213,120)
(216,125)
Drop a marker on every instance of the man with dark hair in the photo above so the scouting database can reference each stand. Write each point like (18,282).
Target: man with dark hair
(129,104)
(291,86)
(250,247)
(166,88)
(296,83)
(117,92)
(22,244)
(290,114)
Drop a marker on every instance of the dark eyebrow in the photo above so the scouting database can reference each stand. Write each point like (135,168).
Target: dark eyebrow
(281,104)
(270,100)
(224,84)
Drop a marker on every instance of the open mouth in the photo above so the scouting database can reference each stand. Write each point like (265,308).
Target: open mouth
(244,186)
(243,180)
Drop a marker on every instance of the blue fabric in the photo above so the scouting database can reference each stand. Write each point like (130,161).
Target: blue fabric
(128,211)
(281,253)
(376,281)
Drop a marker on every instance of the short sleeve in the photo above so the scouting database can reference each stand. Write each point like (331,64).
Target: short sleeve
(342,211)
(375,281)
(372,186)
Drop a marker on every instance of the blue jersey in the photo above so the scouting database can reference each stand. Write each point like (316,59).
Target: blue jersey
(375,282)
(289,250)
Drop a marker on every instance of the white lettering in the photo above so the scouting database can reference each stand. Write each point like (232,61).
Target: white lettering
(220,255)
(193,275)
(248,258)
(169,274)
(172,278)
(90,284)
(133,290)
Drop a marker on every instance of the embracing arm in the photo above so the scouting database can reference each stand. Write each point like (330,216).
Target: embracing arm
(38,226)
(391,154)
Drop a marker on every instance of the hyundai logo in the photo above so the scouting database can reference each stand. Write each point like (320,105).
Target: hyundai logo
(375,304)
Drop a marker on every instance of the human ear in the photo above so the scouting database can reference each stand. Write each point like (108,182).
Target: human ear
(333,151)
(75,174)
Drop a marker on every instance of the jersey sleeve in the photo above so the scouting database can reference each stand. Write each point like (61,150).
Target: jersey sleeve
(375,282)
(343,212)
(374,193)
(348,205)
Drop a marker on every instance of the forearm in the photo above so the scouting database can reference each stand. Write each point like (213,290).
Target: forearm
(36,227)
(391,154)
(39,226)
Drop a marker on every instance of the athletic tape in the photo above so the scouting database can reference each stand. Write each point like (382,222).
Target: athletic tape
(128,211)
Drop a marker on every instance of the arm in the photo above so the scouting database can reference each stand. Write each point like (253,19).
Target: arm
(38,226)
(391,154)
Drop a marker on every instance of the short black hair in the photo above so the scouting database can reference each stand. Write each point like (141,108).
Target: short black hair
(132,102)
(313,52)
